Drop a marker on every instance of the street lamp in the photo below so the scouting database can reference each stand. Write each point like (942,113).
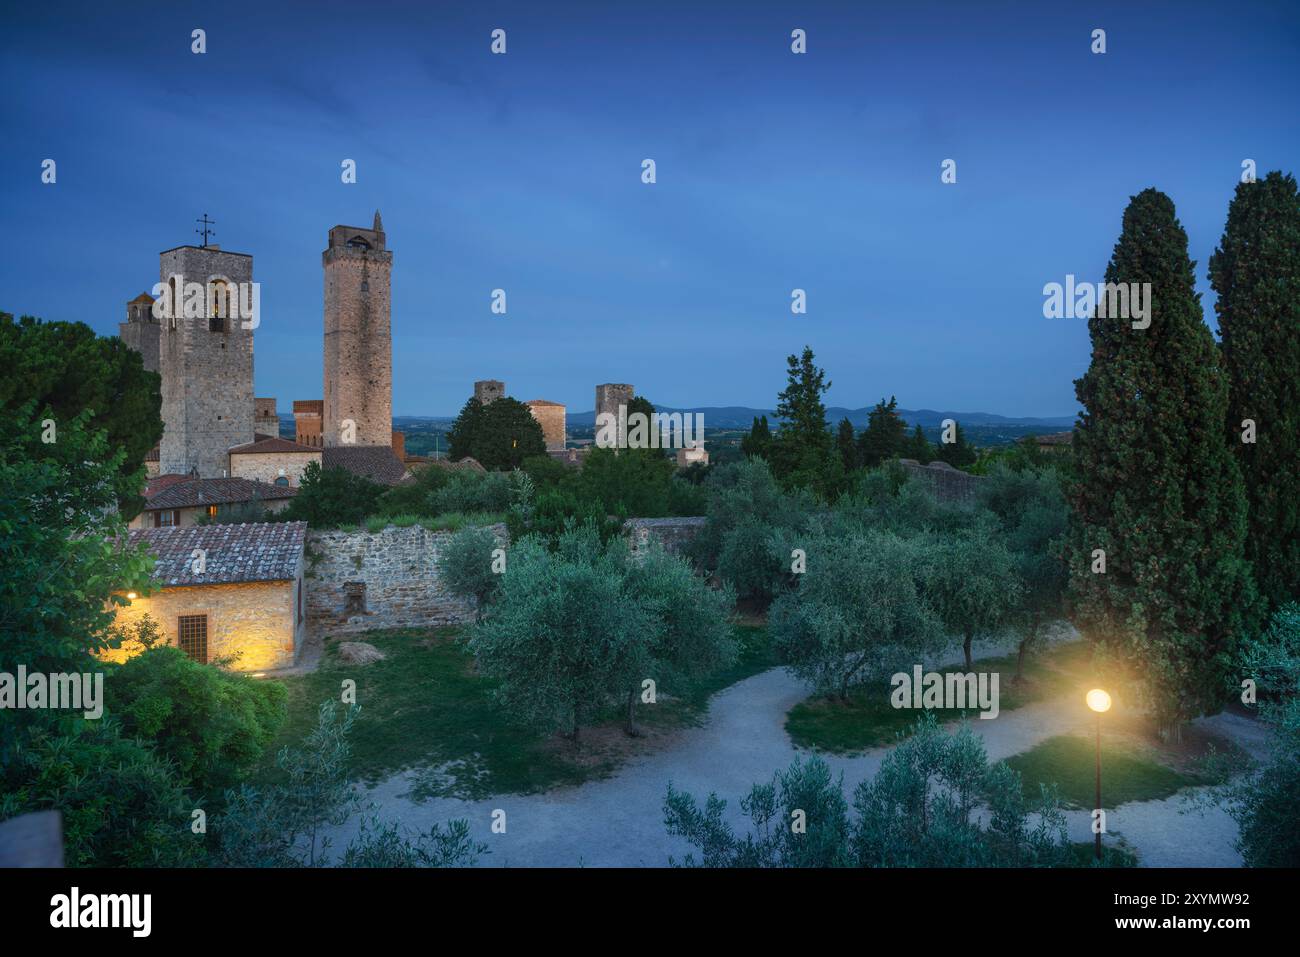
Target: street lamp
(1098,701)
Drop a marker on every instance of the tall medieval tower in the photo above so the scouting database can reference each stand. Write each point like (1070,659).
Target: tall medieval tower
(205,359)
(358,337)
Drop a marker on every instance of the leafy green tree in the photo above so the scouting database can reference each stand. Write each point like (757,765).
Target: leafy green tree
(846,443)
(958,453)
(499,435)
(757,442)
(63,558)
(918,447)
(465,430)
(972,584)
(746,507)
(1156,489)
(857,610)
(65,369)
(803,453)
(1256,273)
(1031,510)
(563,638)
(465,565)
(691,634)
(628,482)
(213,725)
(122,804)
(579,626)
(285,824)
(805,788)
(885,436)
(328,498)
(937,802)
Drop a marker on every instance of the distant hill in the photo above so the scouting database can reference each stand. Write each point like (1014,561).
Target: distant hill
(742,417)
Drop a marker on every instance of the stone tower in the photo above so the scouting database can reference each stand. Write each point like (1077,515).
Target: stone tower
(488,390)
(551,417)
(609,397)
(358,337)
(206,361)
(141,331)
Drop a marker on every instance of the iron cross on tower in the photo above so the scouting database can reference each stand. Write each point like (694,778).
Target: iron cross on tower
(205,232)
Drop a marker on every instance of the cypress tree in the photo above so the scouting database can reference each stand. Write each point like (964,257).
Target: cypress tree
(884,435)
(1155,484)
(1256,274)
(846,441)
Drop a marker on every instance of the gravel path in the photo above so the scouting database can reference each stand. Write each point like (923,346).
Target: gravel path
(618,821)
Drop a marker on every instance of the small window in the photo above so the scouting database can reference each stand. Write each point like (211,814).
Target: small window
(192,636)
(282,481)
(212,511)
(166,518)
(354,595)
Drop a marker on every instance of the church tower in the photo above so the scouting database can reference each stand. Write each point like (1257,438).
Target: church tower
(358,338)
(205,358)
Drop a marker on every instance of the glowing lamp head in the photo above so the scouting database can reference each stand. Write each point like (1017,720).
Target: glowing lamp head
(1098,700)
(131,596)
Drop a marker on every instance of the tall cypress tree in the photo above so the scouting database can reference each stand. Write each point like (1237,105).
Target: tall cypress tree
(1156,486)
(846,442)
(1256,273)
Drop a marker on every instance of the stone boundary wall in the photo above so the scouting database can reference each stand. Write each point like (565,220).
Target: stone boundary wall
(674,534)
(947,483)
(360,581)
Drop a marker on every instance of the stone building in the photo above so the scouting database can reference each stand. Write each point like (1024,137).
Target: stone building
(358,337)
(273,461)
(180,500)
(488,390)
(245,600)
(265,419)
(609,397)
(550,416)
(307,421)
(141,331)
(206,362)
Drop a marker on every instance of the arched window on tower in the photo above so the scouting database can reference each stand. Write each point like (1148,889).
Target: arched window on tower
(220,305)
(356,242)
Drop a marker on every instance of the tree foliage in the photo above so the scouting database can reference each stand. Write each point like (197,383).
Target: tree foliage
(1156,487)
(1256,273)
(64,369)
(499,435)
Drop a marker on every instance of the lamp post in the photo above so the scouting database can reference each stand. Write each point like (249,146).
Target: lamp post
(1098,701)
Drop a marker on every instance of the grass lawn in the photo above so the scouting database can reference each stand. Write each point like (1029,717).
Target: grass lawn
(867,720)
(423,707)
(1128,772)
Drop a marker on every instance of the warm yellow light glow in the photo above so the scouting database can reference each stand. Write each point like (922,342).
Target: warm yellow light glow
(132,596)
(1098,700)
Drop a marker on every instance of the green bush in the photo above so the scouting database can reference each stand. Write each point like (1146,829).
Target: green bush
(122,804)
(333,497)
(212,724)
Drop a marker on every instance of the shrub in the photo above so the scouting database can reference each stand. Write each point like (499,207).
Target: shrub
(212,724)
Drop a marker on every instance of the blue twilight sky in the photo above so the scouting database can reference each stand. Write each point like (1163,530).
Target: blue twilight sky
(523,171)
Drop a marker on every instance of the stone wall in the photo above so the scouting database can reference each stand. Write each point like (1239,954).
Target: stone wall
(947,483)
(256,620)
(358,581)
(551,417)
(674,534)
(267,466)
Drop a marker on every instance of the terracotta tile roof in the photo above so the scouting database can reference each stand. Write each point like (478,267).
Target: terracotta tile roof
(270,444)
(211,491)
(379,463)
(265,552)
(160,482)
(143,297)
